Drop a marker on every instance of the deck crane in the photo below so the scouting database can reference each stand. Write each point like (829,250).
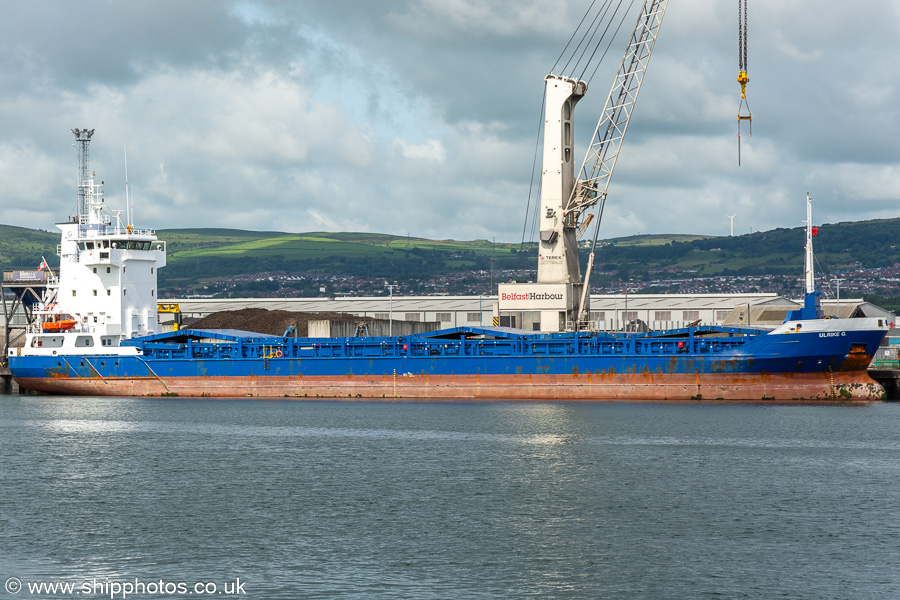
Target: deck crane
(559,294)
(743,77)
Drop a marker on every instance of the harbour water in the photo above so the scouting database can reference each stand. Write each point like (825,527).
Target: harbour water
(281,499)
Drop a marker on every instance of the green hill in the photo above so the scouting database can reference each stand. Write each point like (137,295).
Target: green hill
(838,247)
(210,255)
(200,256)
(22,248)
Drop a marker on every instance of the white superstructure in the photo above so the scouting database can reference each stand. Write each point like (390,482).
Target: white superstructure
(106,288)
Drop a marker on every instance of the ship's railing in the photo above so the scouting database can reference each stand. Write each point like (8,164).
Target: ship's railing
(612,325)
(107,229)
(673,343)
(36,327)
(887,357)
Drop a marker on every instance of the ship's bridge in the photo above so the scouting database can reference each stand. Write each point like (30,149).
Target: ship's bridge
(116,250)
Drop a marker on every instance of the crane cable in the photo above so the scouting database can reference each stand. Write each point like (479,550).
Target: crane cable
(595,27)
(537,145)
(743,77)
(594,31)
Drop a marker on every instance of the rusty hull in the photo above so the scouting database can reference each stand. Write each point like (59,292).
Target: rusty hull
(827,386)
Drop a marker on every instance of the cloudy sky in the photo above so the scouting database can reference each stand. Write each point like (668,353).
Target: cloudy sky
(420,116)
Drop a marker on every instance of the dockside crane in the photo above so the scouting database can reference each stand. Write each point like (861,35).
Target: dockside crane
(597,168)
(559,294)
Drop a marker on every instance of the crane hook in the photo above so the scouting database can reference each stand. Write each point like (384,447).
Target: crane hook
(743,77)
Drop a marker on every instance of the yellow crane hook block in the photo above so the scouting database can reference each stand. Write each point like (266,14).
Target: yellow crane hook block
(743,77)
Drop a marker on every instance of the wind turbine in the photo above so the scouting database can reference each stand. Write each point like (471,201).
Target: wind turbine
(732,222)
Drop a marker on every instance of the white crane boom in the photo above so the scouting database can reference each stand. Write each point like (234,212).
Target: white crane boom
(604,150)
(591,187)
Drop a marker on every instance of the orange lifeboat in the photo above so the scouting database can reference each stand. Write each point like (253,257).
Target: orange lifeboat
(63,325)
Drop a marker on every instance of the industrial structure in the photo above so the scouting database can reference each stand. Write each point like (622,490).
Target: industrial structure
(608,312)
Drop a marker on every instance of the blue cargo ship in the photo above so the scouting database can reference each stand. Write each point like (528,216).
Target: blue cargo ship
(97,333)
(818,359)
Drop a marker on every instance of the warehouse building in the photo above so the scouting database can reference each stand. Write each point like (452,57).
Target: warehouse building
(608,312)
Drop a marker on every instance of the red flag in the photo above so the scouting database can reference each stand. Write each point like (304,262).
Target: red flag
(815,231)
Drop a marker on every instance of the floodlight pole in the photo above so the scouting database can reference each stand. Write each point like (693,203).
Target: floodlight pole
(391,310)
(838,281)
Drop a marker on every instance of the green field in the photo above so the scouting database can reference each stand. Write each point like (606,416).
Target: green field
(22,248)
(200,256)
(655,239)
(207,255)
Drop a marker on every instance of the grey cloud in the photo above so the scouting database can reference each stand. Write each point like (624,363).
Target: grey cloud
(420,116)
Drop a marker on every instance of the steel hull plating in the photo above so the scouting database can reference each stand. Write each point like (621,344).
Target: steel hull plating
(508,366)
(587,387)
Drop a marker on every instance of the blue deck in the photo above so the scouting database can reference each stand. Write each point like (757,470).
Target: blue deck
(461,351)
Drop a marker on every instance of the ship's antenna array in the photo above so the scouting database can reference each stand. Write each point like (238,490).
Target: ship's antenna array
(83,141)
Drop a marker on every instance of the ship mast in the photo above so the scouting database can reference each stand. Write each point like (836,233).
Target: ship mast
(90,217)
(810,275)
(812,305)
(83,141)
